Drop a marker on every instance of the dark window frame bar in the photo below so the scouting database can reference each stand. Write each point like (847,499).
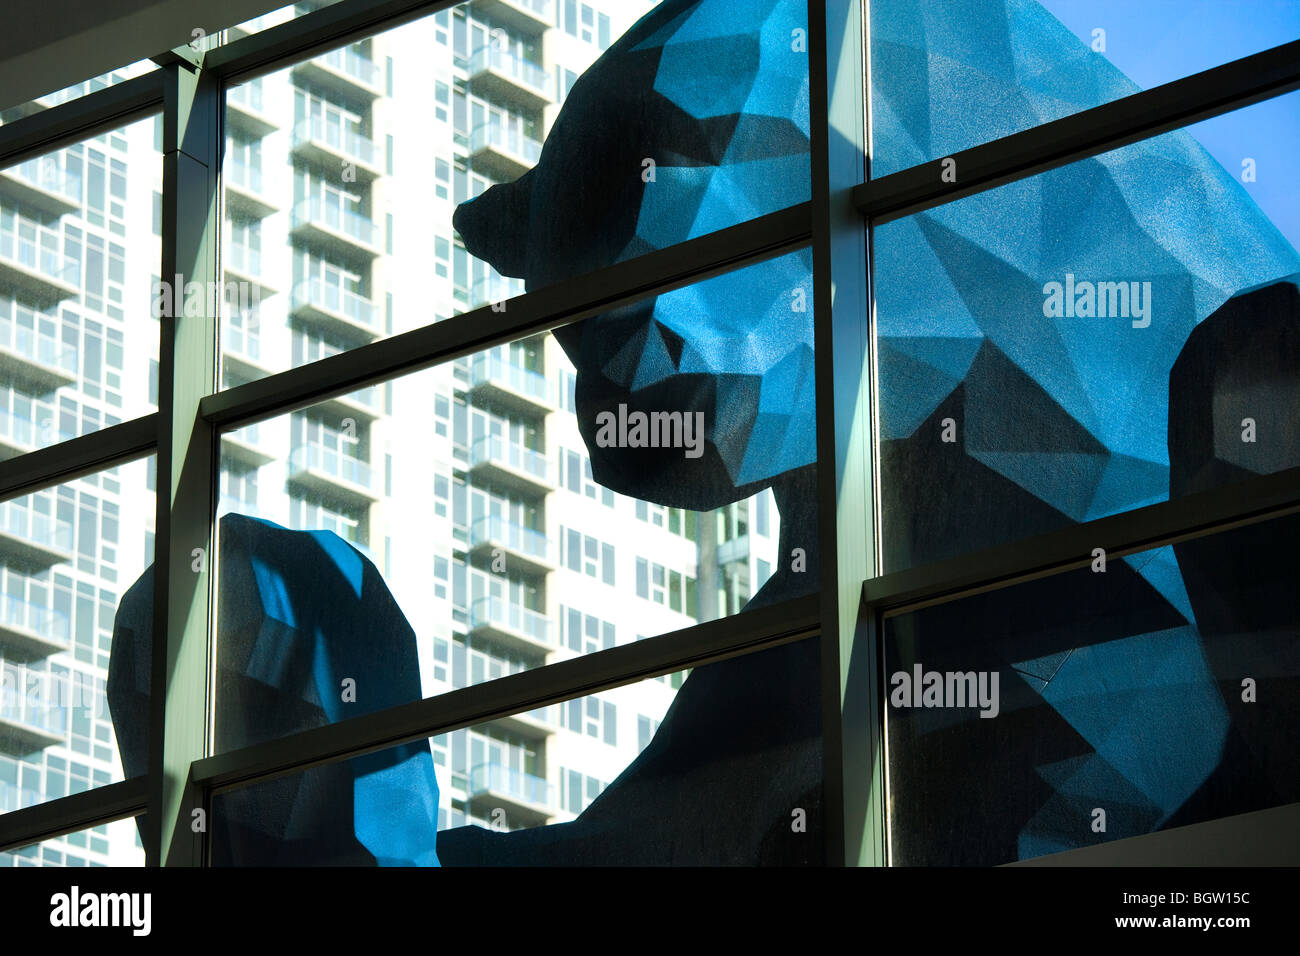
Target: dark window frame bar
(1091,132)
(700,644)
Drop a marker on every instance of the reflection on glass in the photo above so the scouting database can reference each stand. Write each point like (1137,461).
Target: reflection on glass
(73,703)
(640,774)
(947,75)
(1030,373)
(78,248)
(1089,706)
(344,171)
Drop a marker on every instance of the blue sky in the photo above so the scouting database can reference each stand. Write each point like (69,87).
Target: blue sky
(1155,41)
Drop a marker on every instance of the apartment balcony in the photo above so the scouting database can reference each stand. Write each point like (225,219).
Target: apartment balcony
(529,17)
(43,183)
(31,631)
(366,403)
(36,275)
(244,265)
(332,144)
(244,110)
(245,192)
(535,724)
(511,625)
(20,434)
(329,472)
(241,353)
(32,717)
(28,726)
(33,541)
(510,465)
(496,379)
(343,72)
(509,79)
(335,309)
(16,798)
(501,153)
(524,797)
(525,549)
(334,228)
(247,446)
(494,288)
(40,363)
(736,549)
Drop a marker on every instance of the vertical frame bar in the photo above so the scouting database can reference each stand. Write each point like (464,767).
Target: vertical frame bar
(187,372)
(851,726)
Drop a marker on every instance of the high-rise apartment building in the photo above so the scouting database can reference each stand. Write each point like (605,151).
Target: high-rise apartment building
(468,484)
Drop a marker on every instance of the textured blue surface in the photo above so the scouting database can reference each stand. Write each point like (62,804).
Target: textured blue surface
(300,612)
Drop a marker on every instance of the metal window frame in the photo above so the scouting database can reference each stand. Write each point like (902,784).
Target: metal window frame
(837,223)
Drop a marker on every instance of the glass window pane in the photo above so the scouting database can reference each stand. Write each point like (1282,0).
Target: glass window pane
(1092,706)
(745,732)
(78,263)
(308,162)
(77,90)
(109,844)
(74,671)
(1133,339)
(356,566)
(947,76)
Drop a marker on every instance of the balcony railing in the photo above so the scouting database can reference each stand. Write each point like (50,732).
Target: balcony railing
(21,521)
(492,368)
(333,298)
(242,174)
(332,462)
(38,347)
(243,259)
(24,432)
(493,529)
(510,140)
(344,140)
(348,61)
(248,95)
(240,341)
(511,616)
(28,254)
(51,174)
(39,619)
(523,787)
(32,699)
(524,72)
(492,449)
(337,217)
(16,798)
(495,288)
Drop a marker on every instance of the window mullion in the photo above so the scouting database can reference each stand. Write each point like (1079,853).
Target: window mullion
(848,547)
(187,373)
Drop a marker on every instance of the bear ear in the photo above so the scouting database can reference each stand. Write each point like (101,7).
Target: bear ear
(495,226)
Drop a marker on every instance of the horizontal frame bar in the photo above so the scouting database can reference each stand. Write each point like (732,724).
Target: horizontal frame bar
(689,647)
(90,808)
(318,32)
(568,301)
(1167,522)
(1101,129)
(79,119)
(76,457)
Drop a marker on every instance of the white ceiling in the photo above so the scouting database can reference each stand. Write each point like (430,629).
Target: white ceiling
(52,44)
